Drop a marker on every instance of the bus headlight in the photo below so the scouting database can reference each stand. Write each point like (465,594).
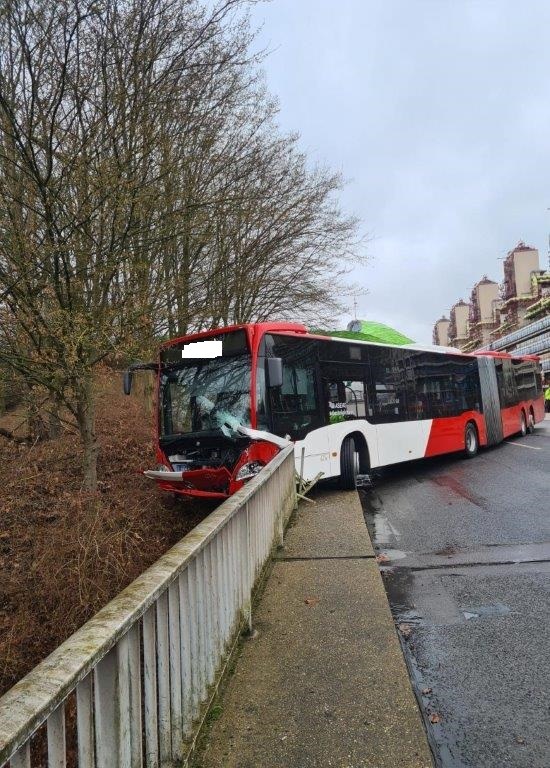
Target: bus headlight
(248,470)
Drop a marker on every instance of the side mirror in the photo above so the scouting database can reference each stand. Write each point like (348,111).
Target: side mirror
(127,382)
(274,366)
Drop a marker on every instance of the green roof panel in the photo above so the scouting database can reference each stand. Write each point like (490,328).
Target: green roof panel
(369,330)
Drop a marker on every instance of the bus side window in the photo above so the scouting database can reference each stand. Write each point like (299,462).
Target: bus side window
(441,386)
(389,385)
(510,391)
(500,381)
(525,379)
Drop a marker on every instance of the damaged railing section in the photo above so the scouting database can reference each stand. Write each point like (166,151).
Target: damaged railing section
(129,688)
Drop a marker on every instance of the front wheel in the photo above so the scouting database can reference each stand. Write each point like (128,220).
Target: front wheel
(471,442)
(349,465)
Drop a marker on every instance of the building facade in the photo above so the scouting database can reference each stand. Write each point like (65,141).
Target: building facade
(441,332)
(519,288)
(459,333)
(484,315)
(512,317)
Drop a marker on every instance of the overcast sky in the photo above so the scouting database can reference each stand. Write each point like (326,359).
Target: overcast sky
(438,114)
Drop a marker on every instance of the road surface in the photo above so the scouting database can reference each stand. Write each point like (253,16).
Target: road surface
(468,579)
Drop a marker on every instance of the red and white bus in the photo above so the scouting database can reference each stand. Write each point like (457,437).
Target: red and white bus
(230,398)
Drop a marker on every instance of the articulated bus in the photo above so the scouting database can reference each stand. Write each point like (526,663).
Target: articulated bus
(229,399)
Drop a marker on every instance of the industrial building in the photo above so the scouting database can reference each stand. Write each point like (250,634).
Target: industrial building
(512,317)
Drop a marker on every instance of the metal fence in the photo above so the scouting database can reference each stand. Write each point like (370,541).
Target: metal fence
(512,339)
(129,688)
(534,346)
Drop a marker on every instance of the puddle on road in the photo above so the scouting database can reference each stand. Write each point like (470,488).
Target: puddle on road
(443,736)
(394,554)
(453,484)
(383,534)
(398,583)
(486,611)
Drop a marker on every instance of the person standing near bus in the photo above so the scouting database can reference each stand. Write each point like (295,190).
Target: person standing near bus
(547,397)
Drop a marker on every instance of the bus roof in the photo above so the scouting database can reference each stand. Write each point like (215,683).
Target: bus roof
(291,329)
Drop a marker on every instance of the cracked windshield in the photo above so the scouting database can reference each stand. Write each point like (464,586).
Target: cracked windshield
(206,395)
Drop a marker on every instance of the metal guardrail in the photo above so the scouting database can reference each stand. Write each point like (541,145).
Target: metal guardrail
(516,336)
(130,687)
(536,346)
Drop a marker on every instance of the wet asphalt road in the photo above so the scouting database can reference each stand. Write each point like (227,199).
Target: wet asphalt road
(468,579)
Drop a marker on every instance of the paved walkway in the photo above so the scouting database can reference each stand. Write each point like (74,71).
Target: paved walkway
(324,682)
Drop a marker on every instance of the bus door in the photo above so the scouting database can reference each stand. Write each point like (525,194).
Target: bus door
(344,392)
(346,400)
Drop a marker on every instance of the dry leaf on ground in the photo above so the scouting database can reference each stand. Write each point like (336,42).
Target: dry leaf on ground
(405,629)
(311,600)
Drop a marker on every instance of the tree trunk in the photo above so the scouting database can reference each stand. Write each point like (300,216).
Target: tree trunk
(38,429)
(86,424)
(54,422)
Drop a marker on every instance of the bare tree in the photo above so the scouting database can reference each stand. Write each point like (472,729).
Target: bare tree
(285,251)
(262,234)
(145,191)
(88,94)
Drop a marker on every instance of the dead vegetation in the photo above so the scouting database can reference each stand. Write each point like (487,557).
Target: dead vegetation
(64,552)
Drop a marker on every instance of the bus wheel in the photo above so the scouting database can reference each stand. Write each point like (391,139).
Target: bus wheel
(531,426)
(523,427)
(349,465)
(471,442)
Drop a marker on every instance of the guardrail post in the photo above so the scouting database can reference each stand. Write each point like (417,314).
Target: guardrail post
(248,567)
(106,711)
(56,738)
(281,496)
(150,688)
(175,671)
(186,654)
(136,727)
(123,690)
(201,625)
(194,647)
(85,723)
(208,615)
(163,677)
(22,758)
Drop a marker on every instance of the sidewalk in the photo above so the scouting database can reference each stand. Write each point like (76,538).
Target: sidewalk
(324,682)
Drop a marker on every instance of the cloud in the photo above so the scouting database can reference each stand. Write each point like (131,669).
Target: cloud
(438,112)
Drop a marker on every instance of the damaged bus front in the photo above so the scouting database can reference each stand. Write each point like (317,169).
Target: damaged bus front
(206,443)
